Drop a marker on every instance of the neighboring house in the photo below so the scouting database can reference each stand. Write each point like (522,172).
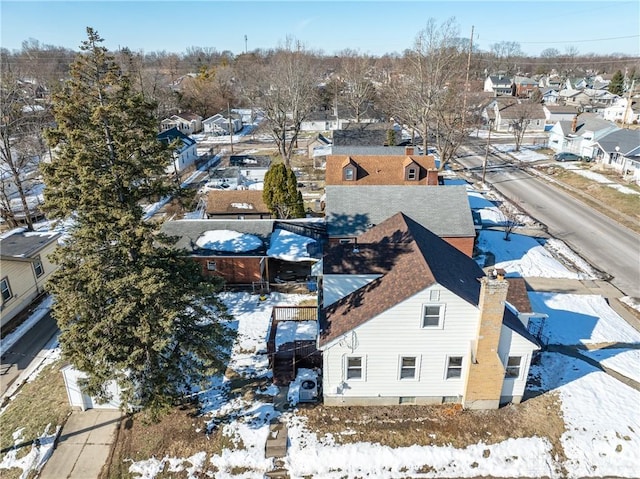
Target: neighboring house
(408,319)
(220,124)
(253,168)
(236,204)
(184,155)
(323,120)
(510,113)
(186,122)
(556,113)
(24,269)
(620,150)
(524,86)
(499,85)
(318,149)
(625,111)
(549,96)
(580,134)
(588,100)
(357,170)
(444,210)
(369,134)
(262,253)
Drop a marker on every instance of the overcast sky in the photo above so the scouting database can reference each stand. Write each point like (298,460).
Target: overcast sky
(373,27)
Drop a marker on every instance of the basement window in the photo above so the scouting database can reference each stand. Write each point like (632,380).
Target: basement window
(211,265)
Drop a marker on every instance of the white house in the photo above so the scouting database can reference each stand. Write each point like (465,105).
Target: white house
(409,319)
(580,134)
(184,155)
(499,85)
(509,113)
(221,125)
(186,122)
(556,113)
(620,150)
(625,111)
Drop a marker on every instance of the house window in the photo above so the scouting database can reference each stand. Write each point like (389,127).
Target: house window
(5,288)
(412,174)
(355,367)
(37,267)
(454,367)
(513,367)
(408,367)
(349,174)
(211,265)
(432,315)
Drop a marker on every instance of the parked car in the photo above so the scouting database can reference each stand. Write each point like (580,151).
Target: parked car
(566,156)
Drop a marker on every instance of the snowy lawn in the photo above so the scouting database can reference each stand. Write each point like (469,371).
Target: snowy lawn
(598,178)
(602,425)
(526,153)
(525,256)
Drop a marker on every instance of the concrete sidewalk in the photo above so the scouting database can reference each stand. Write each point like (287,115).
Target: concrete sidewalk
(83,446)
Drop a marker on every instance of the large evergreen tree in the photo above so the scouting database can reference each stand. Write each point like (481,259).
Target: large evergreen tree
(281,194)
(129,307)
(616,86)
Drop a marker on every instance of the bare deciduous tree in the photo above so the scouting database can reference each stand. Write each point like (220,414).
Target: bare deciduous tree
(522,113)
(286,91)
(358,92)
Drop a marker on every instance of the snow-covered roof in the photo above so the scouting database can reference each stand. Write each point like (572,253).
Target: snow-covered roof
(228,241)
(290,331)
(290,246)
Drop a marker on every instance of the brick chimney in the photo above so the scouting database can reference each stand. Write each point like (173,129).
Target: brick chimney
(574,124)
(409,150)
(486,371)
(432,177)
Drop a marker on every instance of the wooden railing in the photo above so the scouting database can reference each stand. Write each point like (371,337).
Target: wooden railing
(294,313)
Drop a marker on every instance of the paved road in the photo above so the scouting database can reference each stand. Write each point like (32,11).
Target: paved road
(607,245)
(18,357)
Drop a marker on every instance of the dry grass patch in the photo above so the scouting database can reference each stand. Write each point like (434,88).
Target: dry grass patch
(600,194)
(447,424)
(40,403)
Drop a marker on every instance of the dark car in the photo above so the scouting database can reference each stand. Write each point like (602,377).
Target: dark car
(566,156)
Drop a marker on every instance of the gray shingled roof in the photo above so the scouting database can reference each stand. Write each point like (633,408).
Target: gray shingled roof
(627,140)
(21,245)
(444,210)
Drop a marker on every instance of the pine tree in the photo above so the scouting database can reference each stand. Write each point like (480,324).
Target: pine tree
(281,194)
(616,86)
(129,307)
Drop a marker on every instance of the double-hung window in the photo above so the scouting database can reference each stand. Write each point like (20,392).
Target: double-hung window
(38,269)
(454,367)
(432,315)
(354,368)
(514,364)
(5,289)
(408,367)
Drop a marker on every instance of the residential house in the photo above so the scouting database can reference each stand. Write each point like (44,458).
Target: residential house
(510,113)
(620,150)
(444,210)
(236,204)
(499,85)
(262,253)
(184,155)
(524,86)
(369,134)
(317,149)
(408,319)
(580,134)
(556,113)
(186,122)
(357,170)
(220,124)
(588,100)
(549,96)
(253,168)
(625,111)
(24,269)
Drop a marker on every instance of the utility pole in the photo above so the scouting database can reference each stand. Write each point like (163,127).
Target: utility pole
(245,44)
(486,153)
(230,127)
(466,81)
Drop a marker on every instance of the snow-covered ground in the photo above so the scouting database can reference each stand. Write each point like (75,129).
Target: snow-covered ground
(525,154)
(603,426)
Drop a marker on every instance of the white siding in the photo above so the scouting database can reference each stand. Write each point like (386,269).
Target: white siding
(512,344)
(398,332)
(336,286)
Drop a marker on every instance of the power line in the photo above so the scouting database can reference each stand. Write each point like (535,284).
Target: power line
(579,41)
